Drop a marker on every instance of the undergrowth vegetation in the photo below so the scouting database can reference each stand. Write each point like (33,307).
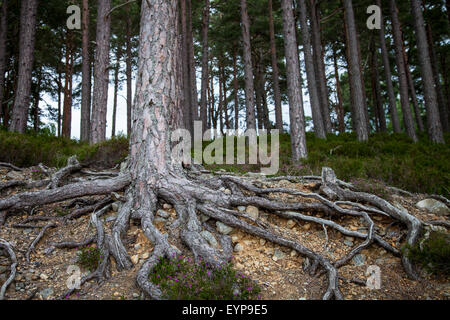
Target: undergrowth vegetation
(89,258)
(179,278)
(433,253)
(385,159)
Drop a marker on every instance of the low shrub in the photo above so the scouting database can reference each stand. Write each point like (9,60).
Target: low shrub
(179,278)
(89,258)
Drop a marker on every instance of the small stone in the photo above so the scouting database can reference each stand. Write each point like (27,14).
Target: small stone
(307,226)
(203,218)
(145,255)
(46,293)
(349,239)
(135,259)
(166,206)
(359,259)
(348,243)
(208,236)
(278,254)
(290,224)
(293,253)
(135,295)
(274,258)
(234,239)
(116,294)
(137,246)
(253,212)
(262,241)
(227,191)
(43,276)
(163,214)
(115,206)
(223,228)
(241,208)
(434,206)
(238,247)
(15,175)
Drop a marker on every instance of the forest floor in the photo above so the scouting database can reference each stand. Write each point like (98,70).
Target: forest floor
(278,271)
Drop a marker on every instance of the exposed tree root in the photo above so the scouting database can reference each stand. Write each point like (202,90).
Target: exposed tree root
(72,166)
(6,246)
(39,237)
(11,166)
(190,194)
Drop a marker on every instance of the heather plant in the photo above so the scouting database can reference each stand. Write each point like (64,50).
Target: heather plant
(180,278)
(89,258)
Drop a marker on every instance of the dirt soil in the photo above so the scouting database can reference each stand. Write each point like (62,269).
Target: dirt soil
(277,270)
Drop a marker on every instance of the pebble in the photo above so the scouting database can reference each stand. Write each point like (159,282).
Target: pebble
(241,208)
(290,224)
(137,246)
(359,259)
(348,243)
(135,259)
(43,276)
(223,228)
(208,236)
(166,206)
(262,241)
(252,211)
(238,247)
(307,226)
(145,255)
(163,214)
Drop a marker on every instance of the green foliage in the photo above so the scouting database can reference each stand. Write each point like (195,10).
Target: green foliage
(433,254)
(181,279)
(89,258)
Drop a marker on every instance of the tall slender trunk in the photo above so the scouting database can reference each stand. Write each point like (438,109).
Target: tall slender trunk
(401,70)
(319,65)
(60,89)
(356,79)
(221,100)
(248,68)
(116,89)
(37,98)
(86,80)
(412,91)
(433,120)
(101,73)
(437,80)
(296,112)
(205,55)
(317,110)
(275,73)
(235,89)
(387,71)
(445,74)
(339,105)
(184,52)
(376,92)
(19,117)
(347,60)
(67,109)
(128,71)
(225,100)
(3,34)
(258,93)
(193,75)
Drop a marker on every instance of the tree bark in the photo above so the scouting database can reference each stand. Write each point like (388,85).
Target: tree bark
(248,68)
(37,99)
(188,122)
(116,89)
(128,71)
(86,76)
(101,73)
(68,83)
(316,108)
(356,78)
(339,107)
(205,56)
(401,70)
(192,71)
(412,91)
(388,75)
(26,58)
(296,112)
(433,120)
(235,89)
(319,64)
(275,73)
(437,80)
(376,93)
(3,35)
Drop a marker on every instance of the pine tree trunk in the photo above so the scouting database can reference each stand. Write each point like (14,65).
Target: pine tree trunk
(86,78)
(437,80)
(275,73)
(205,56)
(339,106)
(317,111)
(401,70)
(258,95)
(101,73)
(387,71)
(236,89)
(128,70)
(116,89)
(296,112)
(356,78)
(433,120)
(67,109)
(376,93)
(26,58)
(37,98)
(187,108)
(193,75)
(3,34)
(248,68)
(319,65)
(412,91)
